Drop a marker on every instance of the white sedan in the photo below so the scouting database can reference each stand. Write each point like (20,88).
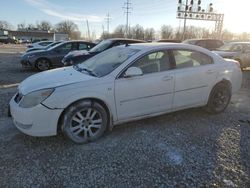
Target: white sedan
(122,84)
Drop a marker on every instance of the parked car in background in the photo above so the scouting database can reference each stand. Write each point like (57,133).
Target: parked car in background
(80,56)
(38,40)
(46,59)
(122,84)
(41,44)
(169,40)
(43,48)
(23,41)
(7,40)
(239,51)
(210,44)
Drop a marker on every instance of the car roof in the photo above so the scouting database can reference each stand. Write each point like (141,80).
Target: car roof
(205,39)
(155,45)
(125,39)
(69,41)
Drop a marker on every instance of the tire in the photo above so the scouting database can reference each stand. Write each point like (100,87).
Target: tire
(219,98)
(84,121)
(42,64)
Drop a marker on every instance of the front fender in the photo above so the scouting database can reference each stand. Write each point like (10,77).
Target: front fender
(62,98)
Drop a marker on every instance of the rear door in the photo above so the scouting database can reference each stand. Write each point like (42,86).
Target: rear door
(194,74)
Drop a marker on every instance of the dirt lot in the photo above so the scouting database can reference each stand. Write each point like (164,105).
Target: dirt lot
(183,149)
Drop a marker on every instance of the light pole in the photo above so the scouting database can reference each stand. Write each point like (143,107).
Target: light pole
(185,21)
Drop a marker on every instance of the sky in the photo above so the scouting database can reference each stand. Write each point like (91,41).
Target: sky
(148,13)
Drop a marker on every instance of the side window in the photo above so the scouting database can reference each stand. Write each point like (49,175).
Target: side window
(65,48)
(186,58)
(83,46)
(153,62)
(237,47)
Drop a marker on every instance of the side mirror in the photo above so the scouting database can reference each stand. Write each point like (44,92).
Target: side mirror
(132,72)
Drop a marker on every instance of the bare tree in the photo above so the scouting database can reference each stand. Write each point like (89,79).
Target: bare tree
(44,26)
(137,32)
(167,32)
(227,35)
(68,27)
(21,26)
(5,25)
(119,31)
(149,34)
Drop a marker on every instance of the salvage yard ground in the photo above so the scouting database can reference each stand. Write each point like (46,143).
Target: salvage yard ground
(189,148)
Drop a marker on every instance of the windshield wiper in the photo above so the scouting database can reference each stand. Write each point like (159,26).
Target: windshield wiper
(90,72)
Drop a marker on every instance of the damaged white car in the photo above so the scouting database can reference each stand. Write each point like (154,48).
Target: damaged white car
(122,84)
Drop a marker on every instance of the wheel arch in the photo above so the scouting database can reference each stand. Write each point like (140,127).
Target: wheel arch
(92,99)
(40,58)
(222,81)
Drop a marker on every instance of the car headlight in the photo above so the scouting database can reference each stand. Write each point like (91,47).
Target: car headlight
(34,98)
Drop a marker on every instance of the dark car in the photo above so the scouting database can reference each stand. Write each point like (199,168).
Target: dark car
(80,56)
(210,44)
(46,59)
(45,48)
(7,40)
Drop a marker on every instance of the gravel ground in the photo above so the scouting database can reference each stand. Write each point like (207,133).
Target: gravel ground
(183,149)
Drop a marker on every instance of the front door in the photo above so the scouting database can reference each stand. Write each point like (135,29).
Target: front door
(149,93)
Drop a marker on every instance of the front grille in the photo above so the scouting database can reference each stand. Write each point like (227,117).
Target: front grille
(18,97)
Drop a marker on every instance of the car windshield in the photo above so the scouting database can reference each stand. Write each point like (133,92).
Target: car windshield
(55,46)
(230,47)
(190,42)
(105,62)
(52,45)
(101,46)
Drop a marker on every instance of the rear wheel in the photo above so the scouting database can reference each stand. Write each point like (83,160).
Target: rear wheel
(42,64)
(219,98)
(84,121)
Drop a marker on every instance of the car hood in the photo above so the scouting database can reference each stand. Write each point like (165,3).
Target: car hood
(52,79)
(225,53)
(36,52)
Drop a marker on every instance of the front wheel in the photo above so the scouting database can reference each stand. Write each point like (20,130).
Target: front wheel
(219,98)
(42,64)
(84,121)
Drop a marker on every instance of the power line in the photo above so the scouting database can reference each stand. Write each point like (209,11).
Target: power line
(127,7)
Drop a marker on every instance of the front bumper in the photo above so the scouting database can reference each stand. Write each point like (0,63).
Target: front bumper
(36,121)
(66,62)
(26,63)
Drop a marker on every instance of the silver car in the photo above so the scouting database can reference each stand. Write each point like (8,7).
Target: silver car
(239,51)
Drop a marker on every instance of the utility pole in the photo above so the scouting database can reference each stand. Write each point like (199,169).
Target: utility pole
(88,29)
(185,20)
(127,7)
(108,21)
(103,32)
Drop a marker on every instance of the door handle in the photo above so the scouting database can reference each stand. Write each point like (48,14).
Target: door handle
(210,72)
(167,78)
